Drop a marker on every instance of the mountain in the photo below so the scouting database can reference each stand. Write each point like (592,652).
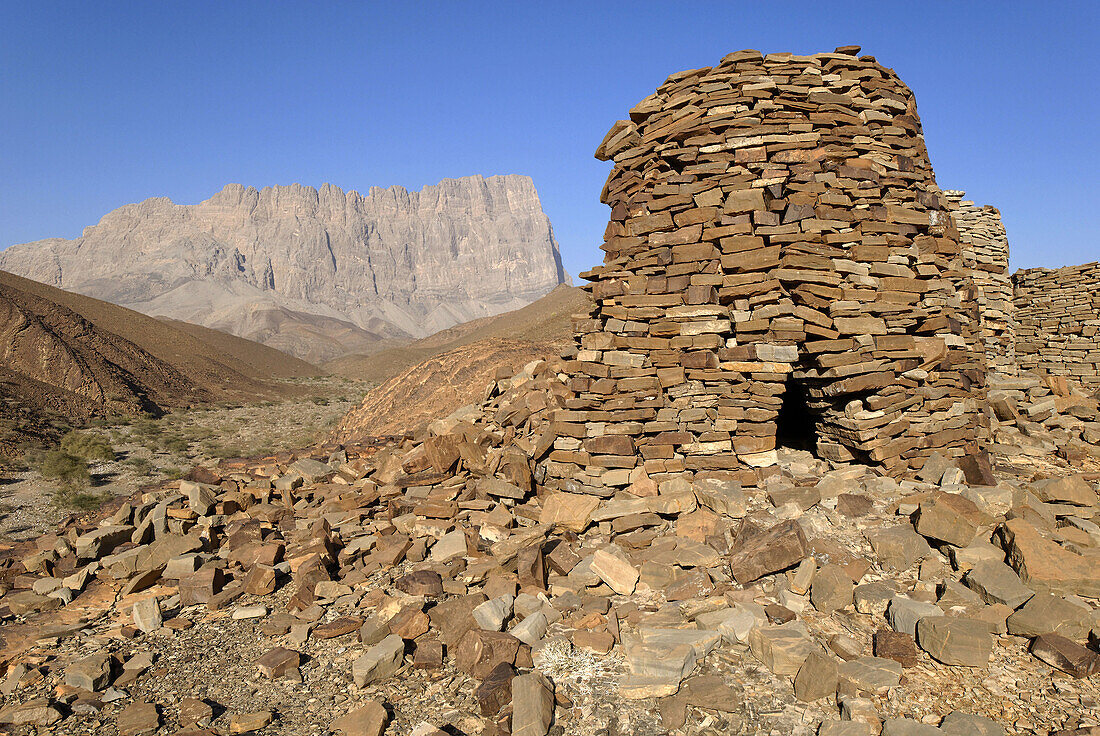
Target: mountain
(70,357)
(315,273)
(545,321)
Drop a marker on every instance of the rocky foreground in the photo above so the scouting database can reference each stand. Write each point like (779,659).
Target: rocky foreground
(434,586)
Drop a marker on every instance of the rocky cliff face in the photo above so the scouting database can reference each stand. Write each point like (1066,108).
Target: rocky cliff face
(316,273)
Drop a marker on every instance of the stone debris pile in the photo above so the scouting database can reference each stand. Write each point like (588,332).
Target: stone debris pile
(438,583)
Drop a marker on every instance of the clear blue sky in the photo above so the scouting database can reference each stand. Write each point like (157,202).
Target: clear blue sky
(102,104)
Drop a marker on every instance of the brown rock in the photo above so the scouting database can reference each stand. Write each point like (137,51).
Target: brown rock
(195,712)
(278,662)
(480,651)
(1063,654)
(338,627)
(898,547)
(36,712)
(600,642)
(428,655)
(368,720)
(832,589)
(246,722)
(90,673)
(201,585)
(495,691)
(379,662)
(138,718)
(948,518)
(853,505)
(410,622)
(1046,566)
(532,705)
(455,617)
(611,565)
(955,641)
(1072,489)
(1050,614)
(816,677)
(901,648)
(571,511)
(782,546)
(260,580)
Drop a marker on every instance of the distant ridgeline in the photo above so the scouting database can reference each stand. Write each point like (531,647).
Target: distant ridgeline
(315,273)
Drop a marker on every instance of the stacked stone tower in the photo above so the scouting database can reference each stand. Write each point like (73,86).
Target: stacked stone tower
(985,252)
(779,261)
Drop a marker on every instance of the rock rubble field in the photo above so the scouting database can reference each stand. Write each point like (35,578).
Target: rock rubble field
(430,585)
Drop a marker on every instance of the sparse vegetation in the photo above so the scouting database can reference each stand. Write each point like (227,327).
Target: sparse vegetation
(70,472)
(80,500)
(147,449)
(88,446)
(140,465)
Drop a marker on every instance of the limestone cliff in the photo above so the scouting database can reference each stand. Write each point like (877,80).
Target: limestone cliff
(317,273)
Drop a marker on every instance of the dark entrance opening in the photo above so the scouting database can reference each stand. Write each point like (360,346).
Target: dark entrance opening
(794,427)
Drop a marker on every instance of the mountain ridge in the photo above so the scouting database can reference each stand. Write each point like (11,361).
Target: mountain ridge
(294,266)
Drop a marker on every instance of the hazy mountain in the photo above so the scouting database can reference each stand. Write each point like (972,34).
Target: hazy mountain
(316,273)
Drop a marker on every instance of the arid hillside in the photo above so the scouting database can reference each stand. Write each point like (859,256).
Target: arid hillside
(436,387)
(67,358)
(543,321)
(433,377)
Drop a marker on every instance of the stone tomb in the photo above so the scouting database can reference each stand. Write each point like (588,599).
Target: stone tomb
(780,266)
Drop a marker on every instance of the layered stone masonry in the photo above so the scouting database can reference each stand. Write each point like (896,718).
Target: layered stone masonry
(985,252)
(776,240)
(1058,319)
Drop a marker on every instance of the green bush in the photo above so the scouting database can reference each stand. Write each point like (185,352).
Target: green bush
(80,500)
(87,446)
(141,465)
(175,445)
(69,471)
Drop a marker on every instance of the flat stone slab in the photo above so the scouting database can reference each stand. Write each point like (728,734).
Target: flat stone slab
(898,548)
(782,649)
(782,546)
(955,641)
(904,613)
(1044,565)
(875,674)
(1063,654)
(1051,614)
(996,582)
(958,723)
(379,662)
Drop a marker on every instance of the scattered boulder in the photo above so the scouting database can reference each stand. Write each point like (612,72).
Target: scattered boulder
(379,662)
(778,548)
(955,641)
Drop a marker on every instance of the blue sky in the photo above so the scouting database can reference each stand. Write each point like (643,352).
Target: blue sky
(102,104)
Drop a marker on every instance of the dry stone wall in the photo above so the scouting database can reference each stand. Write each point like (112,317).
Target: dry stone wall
(778,258)
(1058,316)
(985,252)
